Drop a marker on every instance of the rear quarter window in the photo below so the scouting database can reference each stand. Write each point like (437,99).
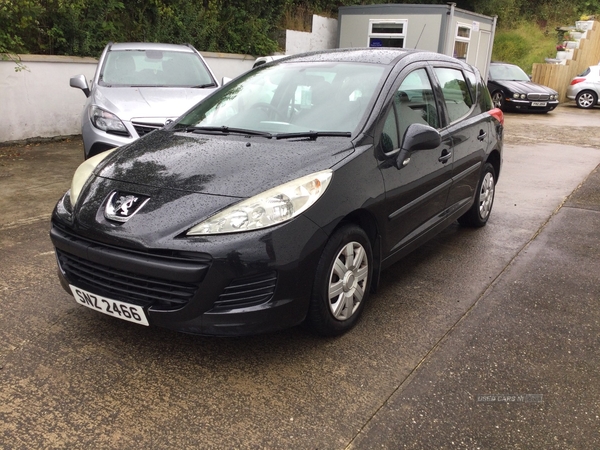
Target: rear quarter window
(455,90)
(472,84)
(485,99)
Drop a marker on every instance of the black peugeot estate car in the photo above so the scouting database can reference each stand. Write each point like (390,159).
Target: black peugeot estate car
(281,196)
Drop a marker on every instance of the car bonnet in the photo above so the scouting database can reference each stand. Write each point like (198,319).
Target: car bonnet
(525,87)
(163,102)
(234,166)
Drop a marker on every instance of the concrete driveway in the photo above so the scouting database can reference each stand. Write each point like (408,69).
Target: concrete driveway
(483,338)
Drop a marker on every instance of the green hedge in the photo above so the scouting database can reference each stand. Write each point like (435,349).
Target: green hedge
(83,27)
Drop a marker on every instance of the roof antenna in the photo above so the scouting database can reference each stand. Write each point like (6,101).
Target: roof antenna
(424,25)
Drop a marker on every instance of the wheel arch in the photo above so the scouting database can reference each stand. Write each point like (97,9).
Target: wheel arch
(367,221)
(496,161)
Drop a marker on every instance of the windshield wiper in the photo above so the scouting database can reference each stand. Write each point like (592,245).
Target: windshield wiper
(313,135)
(202,86)
(224,130)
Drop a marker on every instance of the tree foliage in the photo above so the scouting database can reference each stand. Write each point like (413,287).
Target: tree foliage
(83,27)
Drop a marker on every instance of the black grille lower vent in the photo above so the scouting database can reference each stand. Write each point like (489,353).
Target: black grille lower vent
(246,292)
(143,129)
(121,285)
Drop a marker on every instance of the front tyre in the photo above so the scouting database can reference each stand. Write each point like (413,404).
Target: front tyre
(480,212)
(342,282)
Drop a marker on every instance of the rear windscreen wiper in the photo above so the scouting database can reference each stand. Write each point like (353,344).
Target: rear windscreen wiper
(312,134)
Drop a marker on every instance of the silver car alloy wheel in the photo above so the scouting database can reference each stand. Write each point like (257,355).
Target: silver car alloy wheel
(585,100)
(486,195)
(348,280)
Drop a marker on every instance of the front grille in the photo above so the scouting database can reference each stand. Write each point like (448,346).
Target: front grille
(145,128)
(246,292)
(161,279)
(538,97)
(127,286)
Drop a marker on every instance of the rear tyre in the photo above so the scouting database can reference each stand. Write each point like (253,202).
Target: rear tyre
(586,99)
(480,212)
(342,282)
(498,100)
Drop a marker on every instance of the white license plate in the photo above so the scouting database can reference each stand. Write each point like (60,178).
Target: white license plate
(115,308)
(539,103)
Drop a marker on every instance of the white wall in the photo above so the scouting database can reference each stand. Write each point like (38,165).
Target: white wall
(322,37)
(39,102)
(228,64)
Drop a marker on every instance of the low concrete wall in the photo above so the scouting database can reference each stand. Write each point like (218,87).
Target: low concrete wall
(322,37)
(38,102)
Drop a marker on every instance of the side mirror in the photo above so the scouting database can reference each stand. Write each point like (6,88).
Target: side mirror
(417,137)
(225,80)
(80,82)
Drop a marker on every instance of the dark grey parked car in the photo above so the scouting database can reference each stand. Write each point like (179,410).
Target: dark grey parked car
(138,87)
(282,195)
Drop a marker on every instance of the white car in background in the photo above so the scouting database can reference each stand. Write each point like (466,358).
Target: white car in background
(585,88)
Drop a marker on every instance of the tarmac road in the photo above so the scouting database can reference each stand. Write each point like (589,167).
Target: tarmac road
(481,339)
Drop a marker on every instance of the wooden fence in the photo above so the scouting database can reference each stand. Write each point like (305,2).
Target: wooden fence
(558,76)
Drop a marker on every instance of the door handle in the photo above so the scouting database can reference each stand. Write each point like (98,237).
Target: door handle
(482,135)
(446,155)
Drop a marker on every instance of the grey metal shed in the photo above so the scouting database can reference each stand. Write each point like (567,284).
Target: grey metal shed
(439,28)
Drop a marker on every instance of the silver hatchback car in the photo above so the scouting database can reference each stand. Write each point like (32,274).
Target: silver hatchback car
(137,88)
(585,88)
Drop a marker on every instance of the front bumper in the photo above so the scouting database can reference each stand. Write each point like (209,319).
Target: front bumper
(231,285)
(529,105)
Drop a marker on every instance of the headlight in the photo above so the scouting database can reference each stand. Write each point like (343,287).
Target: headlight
(105,121)
(83,172)
(270,208)
(515,95)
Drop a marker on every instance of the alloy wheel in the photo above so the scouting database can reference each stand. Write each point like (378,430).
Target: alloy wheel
(585,100)
(498,99)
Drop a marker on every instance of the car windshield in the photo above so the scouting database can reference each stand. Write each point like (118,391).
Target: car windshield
(154,68)
(507,72)
(291,97)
